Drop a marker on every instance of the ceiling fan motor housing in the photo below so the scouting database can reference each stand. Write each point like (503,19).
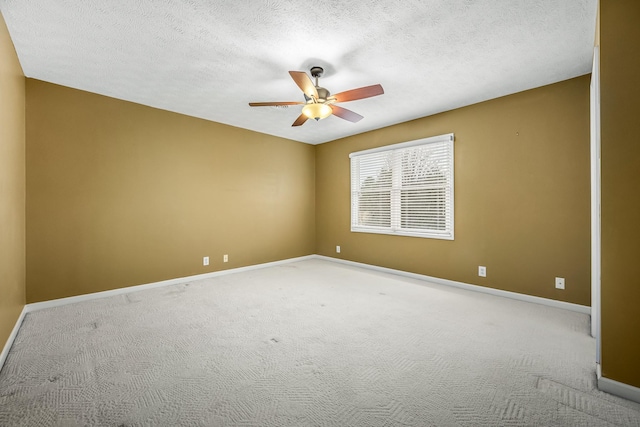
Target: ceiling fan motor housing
(323,93)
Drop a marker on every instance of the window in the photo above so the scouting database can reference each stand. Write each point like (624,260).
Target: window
(404,189)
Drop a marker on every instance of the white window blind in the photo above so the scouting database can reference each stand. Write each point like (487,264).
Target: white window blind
(404,189)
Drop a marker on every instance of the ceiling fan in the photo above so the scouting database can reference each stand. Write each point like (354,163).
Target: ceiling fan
(319,103)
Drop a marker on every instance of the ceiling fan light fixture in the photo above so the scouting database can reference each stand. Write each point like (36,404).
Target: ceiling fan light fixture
(317,111)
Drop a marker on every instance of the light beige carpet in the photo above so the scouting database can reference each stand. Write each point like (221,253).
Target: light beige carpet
(312,343)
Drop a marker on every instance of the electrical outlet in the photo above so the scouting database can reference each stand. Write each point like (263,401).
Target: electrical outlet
(338,249)
(482,271)
(559,282)
(225,258)
(205,260)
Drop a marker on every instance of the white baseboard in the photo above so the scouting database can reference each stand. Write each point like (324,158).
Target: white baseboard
(86,297)
(610,386)
(523,297)
(12,336)
(605,384)
(498,292)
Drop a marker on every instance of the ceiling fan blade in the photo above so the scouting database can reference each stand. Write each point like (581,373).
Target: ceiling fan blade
(304,82)
(348,115)
(300,120)
(272,104)
(360,93)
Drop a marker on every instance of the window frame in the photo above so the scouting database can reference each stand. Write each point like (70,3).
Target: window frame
(395,198)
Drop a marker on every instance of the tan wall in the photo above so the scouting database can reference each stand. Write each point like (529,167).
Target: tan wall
(521,195)
(12,186)
(121,194)
(620,103)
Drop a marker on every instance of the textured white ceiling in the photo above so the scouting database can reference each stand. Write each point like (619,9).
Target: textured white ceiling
(209,59)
